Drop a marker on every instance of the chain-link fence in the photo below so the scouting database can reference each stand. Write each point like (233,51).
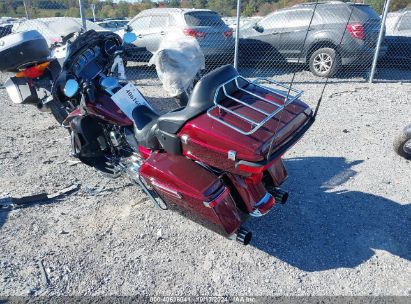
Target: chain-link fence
(284,40)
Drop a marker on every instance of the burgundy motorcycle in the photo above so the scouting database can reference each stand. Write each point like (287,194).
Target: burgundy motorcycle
(217,160)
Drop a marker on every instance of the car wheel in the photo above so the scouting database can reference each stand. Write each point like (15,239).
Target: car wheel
(324,62)
(402,144)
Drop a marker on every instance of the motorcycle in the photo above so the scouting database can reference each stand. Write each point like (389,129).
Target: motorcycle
(402,144)
(217,161)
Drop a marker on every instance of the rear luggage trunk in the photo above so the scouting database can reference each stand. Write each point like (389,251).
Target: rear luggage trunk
(217,143)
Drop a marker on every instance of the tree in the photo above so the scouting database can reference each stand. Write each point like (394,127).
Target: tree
(224,7)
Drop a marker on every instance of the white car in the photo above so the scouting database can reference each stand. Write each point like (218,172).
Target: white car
(53,29)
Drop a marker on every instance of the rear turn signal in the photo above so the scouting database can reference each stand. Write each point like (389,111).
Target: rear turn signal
(33,72)
(215,201)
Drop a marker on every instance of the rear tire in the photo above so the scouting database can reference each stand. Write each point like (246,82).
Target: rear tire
(324,62)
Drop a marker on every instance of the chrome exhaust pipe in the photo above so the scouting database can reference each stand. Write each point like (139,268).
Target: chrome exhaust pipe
(279,195)
(244,236)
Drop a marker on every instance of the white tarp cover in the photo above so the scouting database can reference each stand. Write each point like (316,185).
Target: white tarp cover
(177,60)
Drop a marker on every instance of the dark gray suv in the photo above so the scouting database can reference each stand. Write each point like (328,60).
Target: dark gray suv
(340,34)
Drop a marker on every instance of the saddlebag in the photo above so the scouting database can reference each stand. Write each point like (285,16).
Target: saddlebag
(193,191)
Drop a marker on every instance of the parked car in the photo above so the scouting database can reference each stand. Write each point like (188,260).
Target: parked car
(336,37)
(214,36)
(55,27)
(398,37)
(113,25)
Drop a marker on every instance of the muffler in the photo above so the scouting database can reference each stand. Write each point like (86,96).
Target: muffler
(279,195)
(244,236)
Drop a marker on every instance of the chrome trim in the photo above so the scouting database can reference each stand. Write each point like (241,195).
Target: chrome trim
(256,212)
(166,189)
(184,139)
(232,155)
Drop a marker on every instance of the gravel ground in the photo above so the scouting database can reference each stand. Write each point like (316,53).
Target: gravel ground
(344,231)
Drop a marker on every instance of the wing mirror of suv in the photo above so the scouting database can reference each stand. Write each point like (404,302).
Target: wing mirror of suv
(128,28)
(258,28)
(71,87)
(129,37)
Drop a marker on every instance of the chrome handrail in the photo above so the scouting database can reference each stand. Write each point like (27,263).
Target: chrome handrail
(290,96)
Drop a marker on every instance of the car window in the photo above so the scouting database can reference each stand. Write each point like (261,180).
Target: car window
(332,15)
(141,23)
(203,19)
(366,12)
(276,20)
(299,18)
(405,23)
(158,21)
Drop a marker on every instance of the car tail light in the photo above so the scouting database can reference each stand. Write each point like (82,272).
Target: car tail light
(194,33)
(33,72)
(228,33)
(356,30)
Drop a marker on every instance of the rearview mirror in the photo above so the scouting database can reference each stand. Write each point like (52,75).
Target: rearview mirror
(258,28)
(71,87)
(129,37)
(128,28)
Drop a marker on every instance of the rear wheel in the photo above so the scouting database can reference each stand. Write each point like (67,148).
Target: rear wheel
(324,62)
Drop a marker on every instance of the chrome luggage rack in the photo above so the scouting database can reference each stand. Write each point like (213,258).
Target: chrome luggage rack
(290,95)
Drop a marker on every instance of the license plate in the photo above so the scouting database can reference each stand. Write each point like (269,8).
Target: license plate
(128,98)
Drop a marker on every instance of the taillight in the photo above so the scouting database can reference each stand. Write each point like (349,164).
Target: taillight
(218,199)
(251,169)
(193,33)
(33,72)
(228,33)
(356,30)
(263,206)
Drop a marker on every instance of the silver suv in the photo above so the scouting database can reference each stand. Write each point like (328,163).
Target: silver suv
(150,26)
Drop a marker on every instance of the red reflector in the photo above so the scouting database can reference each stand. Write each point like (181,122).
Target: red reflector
(251,169)
(34,71)
(194,33)
(356,30)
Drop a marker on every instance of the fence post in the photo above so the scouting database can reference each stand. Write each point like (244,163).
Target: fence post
(380,37)
(237,34)
(82,15)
